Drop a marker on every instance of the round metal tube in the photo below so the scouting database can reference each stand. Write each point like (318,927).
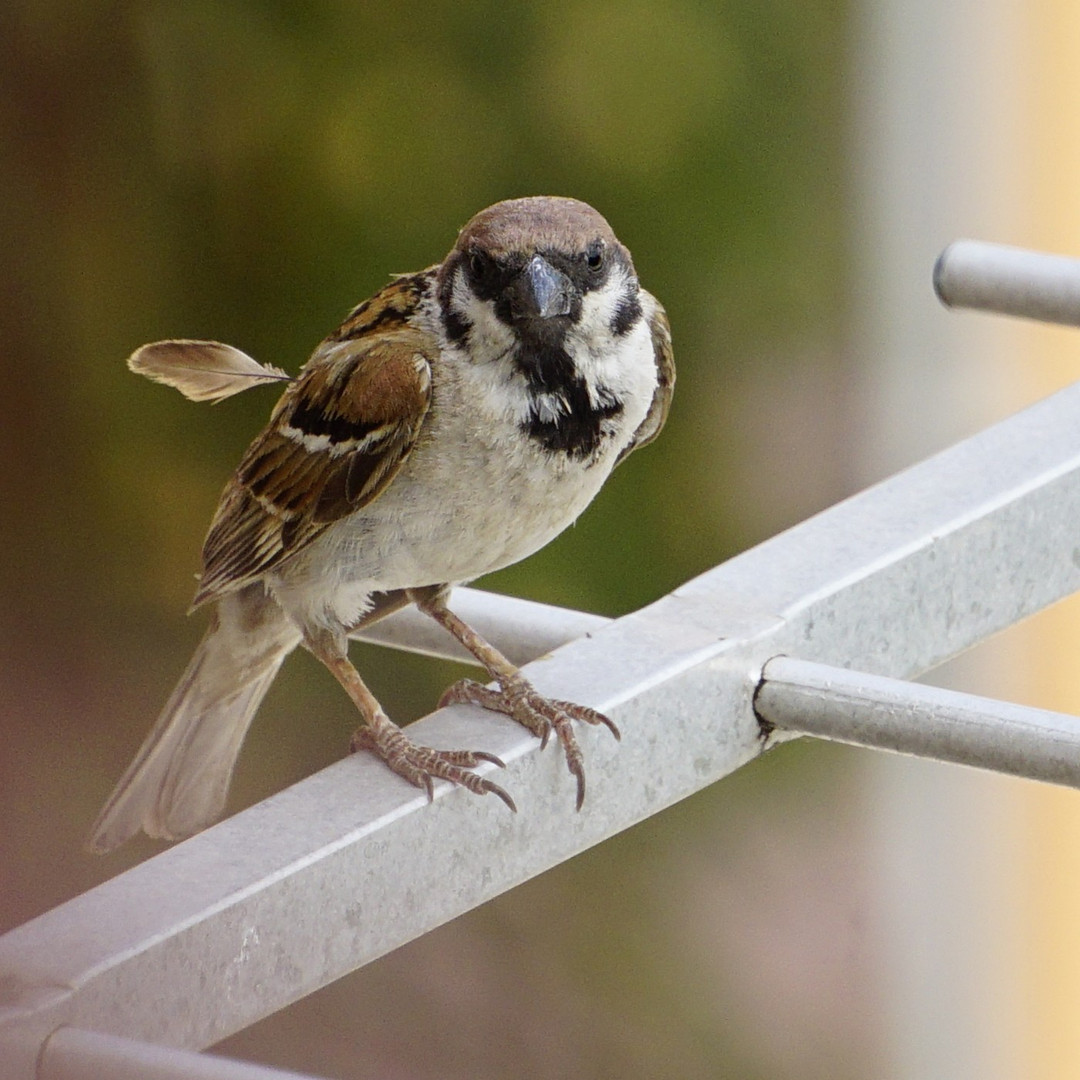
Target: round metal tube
(1009,281)
(522,630)
(914,718)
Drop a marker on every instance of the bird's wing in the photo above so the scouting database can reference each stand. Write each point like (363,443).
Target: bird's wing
(336,439)
(655,418)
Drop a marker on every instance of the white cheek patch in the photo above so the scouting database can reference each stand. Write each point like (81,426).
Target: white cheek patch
(496,388)
(489,337)
(619,365)
(598,310)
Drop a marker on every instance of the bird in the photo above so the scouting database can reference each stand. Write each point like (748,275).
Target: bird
(453,424)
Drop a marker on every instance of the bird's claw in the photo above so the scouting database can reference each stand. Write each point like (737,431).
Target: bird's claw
(422,765)
(517,698)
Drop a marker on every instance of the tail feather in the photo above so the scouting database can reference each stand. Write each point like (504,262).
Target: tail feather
(179,779)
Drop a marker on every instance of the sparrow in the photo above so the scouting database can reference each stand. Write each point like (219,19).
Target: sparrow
(453,424)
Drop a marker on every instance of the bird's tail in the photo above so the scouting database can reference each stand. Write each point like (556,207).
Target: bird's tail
(179,779)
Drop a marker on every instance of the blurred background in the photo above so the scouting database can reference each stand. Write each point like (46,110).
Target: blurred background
(785,174)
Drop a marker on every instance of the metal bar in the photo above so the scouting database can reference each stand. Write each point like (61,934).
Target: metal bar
(523,629)
(1010,281)
(219,931)
(72,1054)
(803,697)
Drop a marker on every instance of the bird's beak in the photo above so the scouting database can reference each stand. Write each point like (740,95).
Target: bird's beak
(540,291)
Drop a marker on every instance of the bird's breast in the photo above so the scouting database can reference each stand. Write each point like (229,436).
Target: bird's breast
(477,492)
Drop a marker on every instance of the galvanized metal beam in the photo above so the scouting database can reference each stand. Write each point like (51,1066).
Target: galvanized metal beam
(219,931)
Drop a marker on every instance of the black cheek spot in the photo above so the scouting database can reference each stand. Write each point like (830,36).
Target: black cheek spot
(456,325)
(626,316)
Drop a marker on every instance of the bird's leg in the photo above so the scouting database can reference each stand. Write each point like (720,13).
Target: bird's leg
(420,765)
(515,696)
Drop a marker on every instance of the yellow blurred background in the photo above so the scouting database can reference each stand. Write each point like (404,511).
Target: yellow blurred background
(784,173)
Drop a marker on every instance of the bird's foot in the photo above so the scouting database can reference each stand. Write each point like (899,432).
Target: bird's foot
(421,765)
(517,698)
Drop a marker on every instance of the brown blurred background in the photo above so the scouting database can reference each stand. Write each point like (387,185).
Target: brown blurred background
(246,172)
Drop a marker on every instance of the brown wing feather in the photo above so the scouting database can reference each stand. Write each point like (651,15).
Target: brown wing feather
(656,417)
(390,308)
(337,437)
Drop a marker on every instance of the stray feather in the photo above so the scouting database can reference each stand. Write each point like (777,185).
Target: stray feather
(202,370)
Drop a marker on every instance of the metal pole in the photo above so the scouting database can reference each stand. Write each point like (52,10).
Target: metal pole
(523,629)
(912,718)
(1010,281)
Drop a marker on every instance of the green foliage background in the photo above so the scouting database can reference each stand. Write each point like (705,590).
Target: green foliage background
(247,171)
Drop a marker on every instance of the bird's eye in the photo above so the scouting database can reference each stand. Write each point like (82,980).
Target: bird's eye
(594,258)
